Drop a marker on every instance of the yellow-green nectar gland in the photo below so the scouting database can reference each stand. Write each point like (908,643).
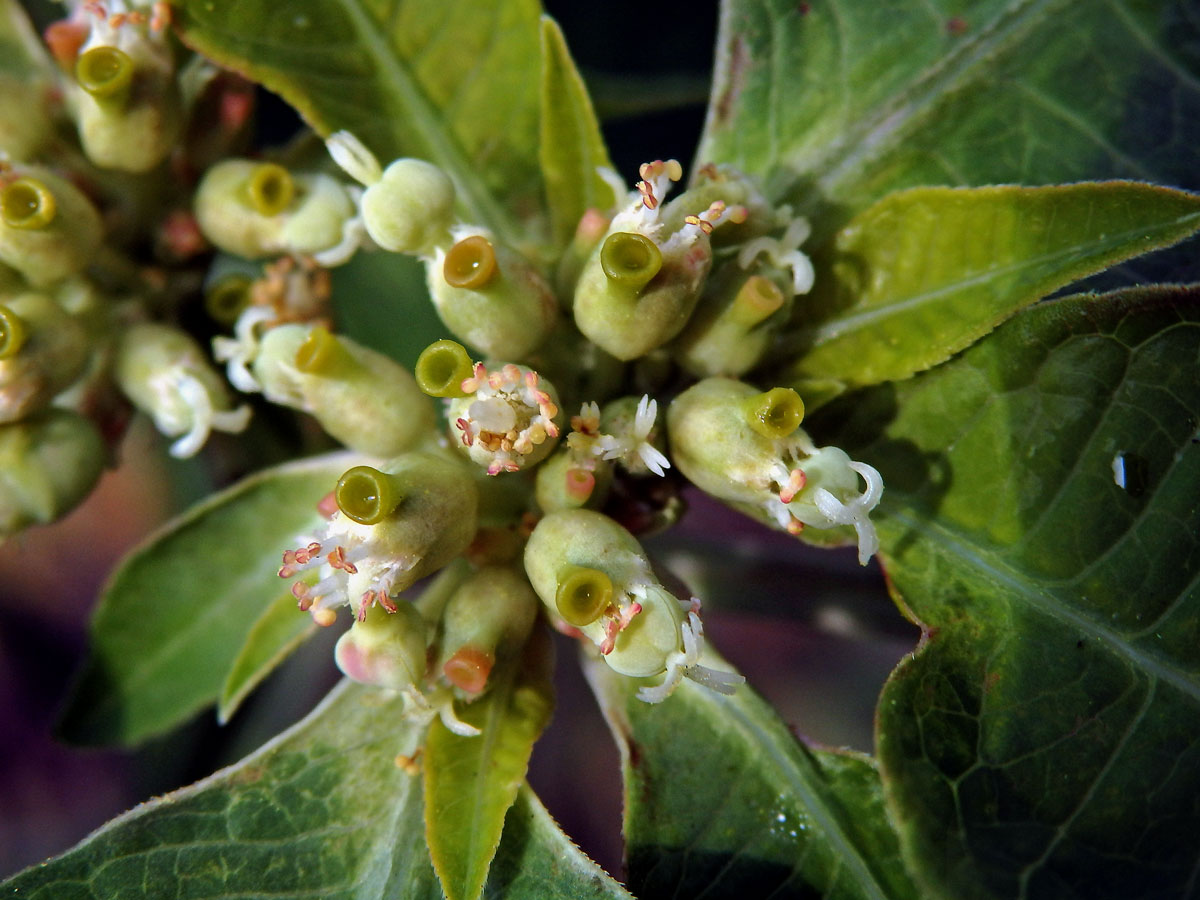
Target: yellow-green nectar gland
(470,264)
(630,260)
(441,369)
(105,72)
(775,414)
(227,298)
(27,203)
(757,299)
(320,354)
(583,595)
(12,333)
(366,495)
(270,189)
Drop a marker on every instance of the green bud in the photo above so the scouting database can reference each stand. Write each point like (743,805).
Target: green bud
(485,621)
(734,324)
(43,350)
(364,399)
(491,297)
(590,231)
(26,126)
(385,649)
(410,209)
(563,484)
(48,228)
(48,464)
(166,375)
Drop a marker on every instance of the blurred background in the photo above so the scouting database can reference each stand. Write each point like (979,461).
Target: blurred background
(811,630)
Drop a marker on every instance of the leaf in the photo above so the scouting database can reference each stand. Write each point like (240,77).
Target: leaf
(428,78)
(926,272)
(272,638)
(470,782)
(172,618)
(721,800)
(837,103)
(1042,520)
(321,812)
(571,147)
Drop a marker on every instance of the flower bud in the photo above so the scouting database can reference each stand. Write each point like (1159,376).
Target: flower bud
(491,297)
(393,527)
(43,350)
(48,464)
(563,482)
(734,324)
(411,208)
(747,448)
(486,620)
(507,420)
(385,649)
(259,209)
(48,228)
(366,400)
(166,375)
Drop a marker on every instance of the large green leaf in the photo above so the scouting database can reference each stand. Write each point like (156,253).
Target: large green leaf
(839,102)
(722,801)
(322,812)
(173,617)
(470,782)
(452,81)
(924,273)
(1042,520)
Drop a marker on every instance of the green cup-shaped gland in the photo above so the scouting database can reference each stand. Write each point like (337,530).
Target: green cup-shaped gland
(629,317)
(26,126)
(237,207)
(562,484)
(43,350)
(583,595)
(48,228)
(410,209)
(227,297)
(734,323)
(366,400)
(48,464)
(442,367)
(128,107)
(367,495)
(486,620)
(716,429)
(386,650)
(491,298)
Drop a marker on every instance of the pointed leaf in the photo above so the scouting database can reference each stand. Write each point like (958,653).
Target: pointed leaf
(1042,520)
(840,102)
(571,147)
(426,79)
(721,800)
(926,272)
(272,638)
(470,782)
(172,618)
(321,812)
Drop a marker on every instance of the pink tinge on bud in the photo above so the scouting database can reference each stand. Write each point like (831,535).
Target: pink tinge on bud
(579,484)
(616,625)
(468,669)
(328,507)
(592,227)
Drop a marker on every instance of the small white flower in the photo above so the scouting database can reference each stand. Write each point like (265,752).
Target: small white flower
(240,351)
(784,253)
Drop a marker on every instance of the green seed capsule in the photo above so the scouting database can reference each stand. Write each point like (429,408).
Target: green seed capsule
(410,208)
(385,649)
(775,414)
(27,203)
(442,367)
(48,229)
(582,595)
(470,264)
(105,72)
(367,495)
(43,351)
(630,260)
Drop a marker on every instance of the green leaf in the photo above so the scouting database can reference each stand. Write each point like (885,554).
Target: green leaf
(1041,519)
(571,147)
(272,638)
(838,102)
(426,78)
(172,618)
(322,812)
(926,272)
(470,782)
(721,800)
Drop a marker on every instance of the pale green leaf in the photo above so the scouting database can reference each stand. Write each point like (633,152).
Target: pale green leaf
(275,634)
(470,782)
(322,812)
(452,82)
(924,273)
(571,146)
(172,618)
(1042,520)
(722,801)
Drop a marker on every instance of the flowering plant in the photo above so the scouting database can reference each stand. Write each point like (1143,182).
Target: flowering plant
(856,320)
